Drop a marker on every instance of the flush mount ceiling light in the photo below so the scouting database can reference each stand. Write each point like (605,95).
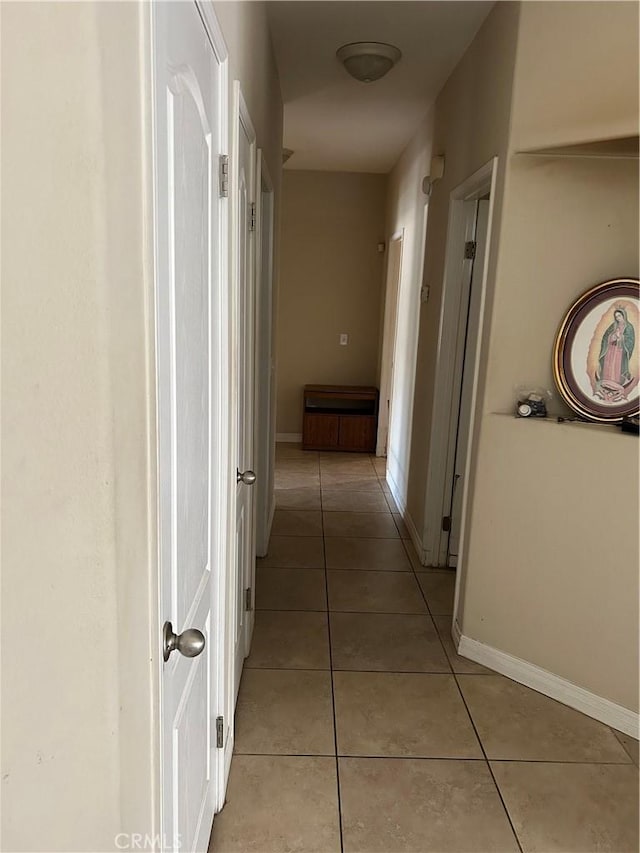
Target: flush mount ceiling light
(368,60)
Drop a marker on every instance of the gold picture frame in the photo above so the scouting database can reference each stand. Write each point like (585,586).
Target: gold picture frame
(596,357)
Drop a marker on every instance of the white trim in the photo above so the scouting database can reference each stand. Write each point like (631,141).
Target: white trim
(456,634)
(437,488)
(415,537)
(272,512)
(243,112)
(289,437)
(243,359)
(214,31)
(224,397)
(389,333)
(408,521)
(551,685)
(396,492)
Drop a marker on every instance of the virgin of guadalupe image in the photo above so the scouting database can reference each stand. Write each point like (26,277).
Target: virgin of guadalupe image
(613,372)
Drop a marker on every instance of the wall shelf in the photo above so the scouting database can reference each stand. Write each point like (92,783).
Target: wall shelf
(622,148)
(594,426)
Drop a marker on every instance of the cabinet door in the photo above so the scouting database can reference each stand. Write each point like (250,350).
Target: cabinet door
(357,432)
(320,432)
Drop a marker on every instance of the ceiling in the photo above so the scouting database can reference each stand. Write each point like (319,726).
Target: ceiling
(333,122)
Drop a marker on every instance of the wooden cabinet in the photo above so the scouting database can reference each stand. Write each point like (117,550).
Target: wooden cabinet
(340,417)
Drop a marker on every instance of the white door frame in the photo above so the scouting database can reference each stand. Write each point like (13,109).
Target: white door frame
(473,295)
(264,443)
(222,452)
(447,384)
(240,117)
(220,509)
(390,326)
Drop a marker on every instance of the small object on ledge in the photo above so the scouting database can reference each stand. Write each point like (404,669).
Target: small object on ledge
(564,420)
(532,406)
(631,425)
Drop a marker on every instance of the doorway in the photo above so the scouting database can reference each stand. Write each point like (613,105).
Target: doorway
(392,289)
(478,212)
(457,364)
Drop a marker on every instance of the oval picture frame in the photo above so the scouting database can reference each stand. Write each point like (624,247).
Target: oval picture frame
(596,357)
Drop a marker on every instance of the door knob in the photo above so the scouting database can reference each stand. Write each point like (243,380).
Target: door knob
(246,477)
(190,643)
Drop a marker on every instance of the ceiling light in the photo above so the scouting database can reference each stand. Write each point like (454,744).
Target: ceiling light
(368,60)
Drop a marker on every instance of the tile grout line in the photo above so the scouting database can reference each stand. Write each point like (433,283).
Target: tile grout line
(488,763)
(333,695)
(417,570)
(481,760)
(426,604)
(370,671)
(471,720)
(363,612)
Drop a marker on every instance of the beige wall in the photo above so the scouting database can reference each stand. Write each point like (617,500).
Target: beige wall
(79,612)
(77,733)
(330,282)
(550,568)
(406,213)
(552,565)
(472,115)
(568,600)
(587,86)
(251,60)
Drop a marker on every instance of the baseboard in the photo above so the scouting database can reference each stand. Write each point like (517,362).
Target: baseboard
(395,492)
(262,546)
(416,539)
(551,685)
(456,633)
(289,437)
(272,512)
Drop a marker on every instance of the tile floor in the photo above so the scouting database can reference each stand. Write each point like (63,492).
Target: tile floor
(360,729)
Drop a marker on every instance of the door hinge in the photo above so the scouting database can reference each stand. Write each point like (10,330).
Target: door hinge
(248,604)
(252,216)
(224,176)
(469,250)
(446,523)
(219,732)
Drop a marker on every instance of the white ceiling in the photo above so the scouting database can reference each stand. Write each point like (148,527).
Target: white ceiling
(333,122)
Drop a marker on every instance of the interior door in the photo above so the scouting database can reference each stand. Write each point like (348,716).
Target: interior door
(187,121)
(468,378)
(244,229)
(394,268)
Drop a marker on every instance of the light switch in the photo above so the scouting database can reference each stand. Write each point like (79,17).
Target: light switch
(344,340)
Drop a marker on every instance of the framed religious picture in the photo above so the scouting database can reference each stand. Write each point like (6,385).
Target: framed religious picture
(596,360)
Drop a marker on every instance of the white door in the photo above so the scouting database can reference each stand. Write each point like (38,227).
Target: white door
(188,109)
(468,376)
(243,197)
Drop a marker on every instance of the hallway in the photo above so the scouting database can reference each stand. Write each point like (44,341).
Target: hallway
(358,726)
